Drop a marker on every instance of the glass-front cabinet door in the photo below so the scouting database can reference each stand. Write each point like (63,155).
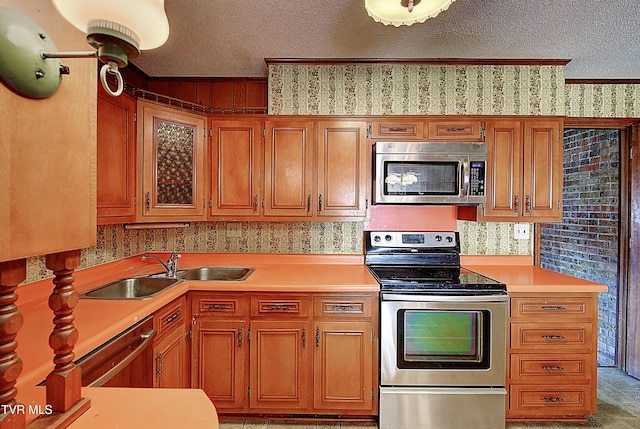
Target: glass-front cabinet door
(173,173)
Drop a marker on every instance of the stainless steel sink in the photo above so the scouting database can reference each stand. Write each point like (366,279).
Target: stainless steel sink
(131,288)
(218,273)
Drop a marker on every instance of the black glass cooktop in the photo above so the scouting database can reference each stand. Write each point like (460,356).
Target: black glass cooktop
(434,280)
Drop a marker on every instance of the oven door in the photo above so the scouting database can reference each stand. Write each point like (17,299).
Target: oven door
(443,340)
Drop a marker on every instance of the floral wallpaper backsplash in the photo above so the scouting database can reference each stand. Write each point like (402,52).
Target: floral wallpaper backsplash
(115,242)
(427,89)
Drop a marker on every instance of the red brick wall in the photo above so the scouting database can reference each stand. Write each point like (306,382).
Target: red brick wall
(585,244)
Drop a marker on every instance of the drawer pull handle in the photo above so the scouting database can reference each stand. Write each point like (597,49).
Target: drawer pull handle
(553,308)
(398,129)
(455,129)
(553,337)
(217,306)
(279,307)
(553,368)
(343,307)
(173,317)
(556,399)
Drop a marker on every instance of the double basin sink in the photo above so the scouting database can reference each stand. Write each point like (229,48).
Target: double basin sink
(143,287)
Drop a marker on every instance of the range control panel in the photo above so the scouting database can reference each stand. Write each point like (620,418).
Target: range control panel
(413,239)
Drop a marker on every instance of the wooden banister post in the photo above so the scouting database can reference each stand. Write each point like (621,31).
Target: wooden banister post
(64,382)
(12,273)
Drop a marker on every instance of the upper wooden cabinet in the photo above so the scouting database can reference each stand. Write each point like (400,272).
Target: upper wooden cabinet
(172,174)
(237,150)
(397,129)
(298,169)
(341,169)
(116,158)
(524,172)
(288,161)
(456,130)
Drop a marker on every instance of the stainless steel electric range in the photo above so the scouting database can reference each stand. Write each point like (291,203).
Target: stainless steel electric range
(442,334)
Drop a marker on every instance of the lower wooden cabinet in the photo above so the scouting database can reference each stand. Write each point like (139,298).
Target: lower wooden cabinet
(286,354)
(552,371)
(170,348)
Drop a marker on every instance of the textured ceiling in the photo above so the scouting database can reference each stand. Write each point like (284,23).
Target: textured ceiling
(230,38)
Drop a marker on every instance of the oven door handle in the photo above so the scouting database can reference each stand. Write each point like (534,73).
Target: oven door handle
(466,177)
(442,298)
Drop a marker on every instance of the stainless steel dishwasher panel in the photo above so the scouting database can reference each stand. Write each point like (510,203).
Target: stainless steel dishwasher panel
(124,361)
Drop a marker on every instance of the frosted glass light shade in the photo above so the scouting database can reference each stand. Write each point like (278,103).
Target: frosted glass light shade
(391,12)
(146,20)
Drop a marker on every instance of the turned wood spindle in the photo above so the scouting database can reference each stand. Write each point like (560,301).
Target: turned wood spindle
(63,383)
(12,273)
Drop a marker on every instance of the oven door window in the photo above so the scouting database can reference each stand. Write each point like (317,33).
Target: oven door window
(421,178)
(444,339)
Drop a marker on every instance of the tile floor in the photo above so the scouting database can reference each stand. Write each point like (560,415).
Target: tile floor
(618,408)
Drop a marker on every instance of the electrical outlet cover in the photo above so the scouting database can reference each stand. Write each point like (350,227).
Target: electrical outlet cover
(521,231)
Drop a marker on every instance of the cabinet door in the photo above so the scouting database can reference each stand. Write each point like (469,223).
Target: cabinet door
(341,169)
(219,361)
(170,361)
(173,175)
(288,168)
(342,366)
(116,158)
(236,165)
(504,169)
(280,365)
(542,160)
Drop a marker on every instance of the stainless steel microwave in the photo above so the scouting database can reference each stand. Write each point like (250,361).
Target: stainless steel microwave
(429,173)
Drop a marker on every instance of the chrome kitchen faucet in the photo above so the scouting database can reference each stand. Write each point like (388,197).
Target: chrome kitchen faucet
(171,265)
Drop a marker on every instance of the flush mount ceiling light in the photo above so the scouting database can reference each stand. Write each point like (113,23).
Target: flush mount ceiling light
(116,29)
(405,12)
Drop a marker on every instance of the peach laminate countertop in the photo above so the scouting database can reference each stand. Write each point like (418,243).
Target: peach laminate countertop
(521,276)
(124,408)
(97,321)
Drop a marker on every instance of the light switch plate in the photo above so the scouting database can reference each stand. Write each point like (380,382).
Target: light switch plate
(521,231)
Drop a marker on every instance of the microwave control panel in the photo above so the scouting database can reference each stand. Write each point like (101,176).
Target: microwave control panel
(477,175)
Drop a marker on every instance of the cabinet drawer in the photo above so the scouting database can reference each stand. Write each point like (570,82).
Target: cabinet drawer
(553,308)
(407,130)
(169,316)
(225,305)
(292,305)
(532,368)
(542,401)
(559,337)
(467,131)
(343,306)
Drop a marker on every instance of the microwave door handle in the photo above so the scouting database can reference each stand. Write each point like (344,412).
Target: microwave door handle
(466,171)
